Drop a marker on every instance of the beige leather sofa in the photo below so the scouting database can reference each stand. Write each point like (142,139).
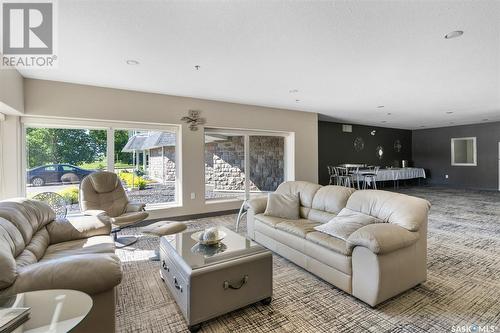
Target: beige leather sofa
(39,252)
(375,263)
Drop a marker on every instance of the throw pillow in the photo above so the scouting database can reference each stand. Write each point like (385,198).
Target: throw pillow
(346,222)
(285,206)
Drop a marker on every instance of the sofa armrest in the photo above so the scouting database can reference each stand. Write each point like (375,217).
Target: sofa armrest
(90,273)
(258,205)
(134,207)
(63,230)
(382,238)
(94,212)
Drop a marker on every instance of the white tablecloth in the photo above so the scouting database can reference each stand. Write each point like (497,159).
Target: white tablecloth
(395,174)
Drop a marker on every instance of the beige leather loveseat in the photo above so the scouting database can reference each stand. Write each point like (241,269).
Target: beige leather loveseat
(38,252)
(376,261)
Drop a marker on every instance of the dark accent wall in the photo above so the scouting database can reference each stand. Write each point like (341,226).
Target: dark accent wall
(337,147)
(432,151)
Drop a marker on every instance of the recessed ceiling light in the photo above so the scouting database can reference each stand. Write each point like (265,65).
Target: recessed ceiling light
(132,62)
(454,34)
(380,106)
(449,112)
(293,91)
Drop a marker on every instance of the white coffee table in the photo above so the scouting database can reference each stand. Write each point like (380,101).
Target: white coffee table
(55,311)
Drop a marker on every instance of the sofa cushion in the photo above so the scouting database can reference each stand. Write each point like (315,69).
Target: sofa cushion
(328,256)
(269,220)
(25,258)
(39,243)
(283,205)
(331,198)
(347,222)
(28,216)
(305,190)
(320,216)
(291,240)
(297,227)
(96,244)
(404,210)
(7,247)
(330,242)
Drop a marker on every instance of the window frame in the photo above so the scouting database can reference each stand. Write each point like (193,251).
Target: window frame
(110,127)
(474,141)
(288,157)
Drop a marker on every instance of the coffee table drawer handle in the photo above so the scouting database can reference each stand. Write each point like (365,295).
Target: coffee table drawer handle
(177,285)
(165,266)
(243,281)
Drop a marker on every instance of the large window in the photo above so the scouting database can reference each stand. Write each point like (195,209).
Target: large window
(145,161)
(240,164)
(58,158)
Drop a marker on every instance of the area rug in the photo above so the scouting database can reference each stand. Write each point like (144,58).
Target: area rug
(462,290)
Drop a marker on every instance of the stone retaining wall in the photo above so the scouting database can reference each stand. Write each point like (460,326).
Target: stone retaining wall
(155,163)
(225,163)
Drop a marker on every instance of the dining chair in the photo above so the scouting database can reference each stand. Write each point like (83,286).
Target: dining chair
(370,179)
(354,175)
(332,173)
(344,177)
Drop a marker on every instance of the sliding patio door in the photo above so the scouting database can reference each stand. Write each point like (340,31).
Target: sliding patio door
(242,164)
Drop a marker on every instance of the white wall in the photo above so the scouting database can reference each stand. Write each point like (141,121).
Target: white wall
(11,92)
(63,100)
(11,104)
(10,168)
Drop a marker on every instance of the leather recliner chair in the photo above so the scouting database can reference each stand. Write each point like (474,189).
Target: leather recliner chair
(102,195)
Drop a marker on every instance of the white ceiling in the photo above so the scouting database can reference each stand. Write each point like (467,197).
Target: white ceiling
(345,58)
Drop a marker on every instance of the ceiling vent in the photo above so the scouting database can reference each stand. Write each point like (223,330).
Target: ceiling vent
(347,128)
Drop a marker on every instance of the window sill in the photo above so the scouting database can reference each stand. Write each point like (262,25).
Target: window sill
(218,201)
(161,206)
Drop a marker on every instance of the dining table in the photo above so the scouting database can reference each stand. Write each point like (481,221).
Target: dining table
(391,174)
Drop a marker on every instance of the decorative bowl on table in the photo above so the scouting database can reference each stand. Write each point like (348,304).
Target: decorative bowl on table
(210,236)
(209,250)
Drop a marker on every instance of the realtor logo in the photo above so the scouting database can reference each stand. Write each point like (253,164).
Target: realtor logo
(28,30)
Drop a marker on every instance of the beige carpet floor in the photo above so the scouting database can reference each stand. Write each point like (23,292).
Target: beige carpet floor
(462,289)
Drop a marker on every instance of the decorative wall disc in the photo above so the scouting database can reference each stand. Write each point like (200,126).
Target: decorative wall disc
(397,146)
(359,144)
(380,152)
